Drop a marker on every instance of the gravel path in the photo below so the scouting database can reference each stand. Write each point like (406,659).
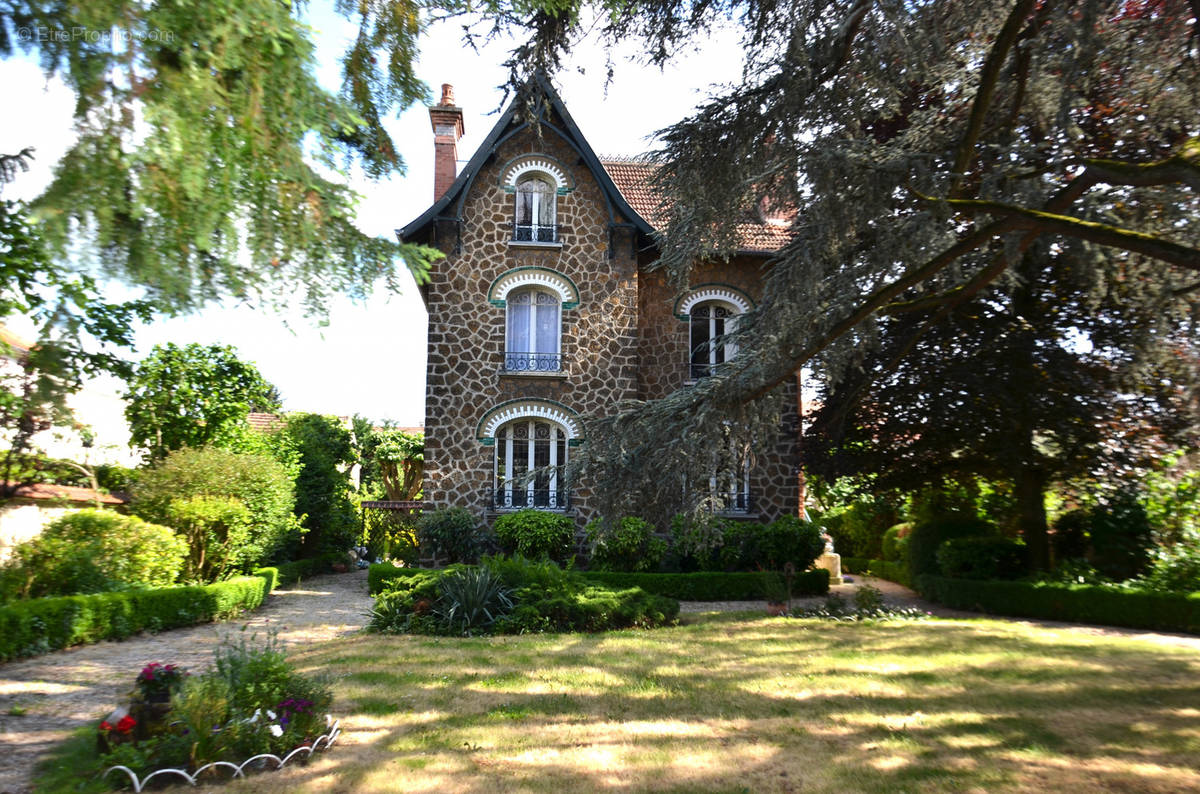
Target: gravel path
(63,690)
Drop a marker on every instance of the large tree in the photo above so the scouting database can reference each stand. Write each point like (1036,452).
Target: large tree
(1037,382)
(193,396)
(204,143)
(926,147)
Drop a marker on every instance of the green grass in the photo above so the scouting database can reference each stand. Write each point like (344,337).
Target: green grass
(731,703)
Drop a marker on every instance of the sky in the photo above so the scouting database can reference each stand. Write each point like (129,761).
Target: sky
(369,358)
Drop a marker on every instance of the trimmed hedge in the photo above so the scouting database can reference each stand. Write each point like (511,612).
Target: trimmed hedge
(855,564)
(1074,603)
(41,625)
(710,586)
(704,586)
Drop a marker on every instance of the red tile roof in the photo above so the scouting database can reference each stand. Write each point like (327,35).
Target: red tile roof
(633,177)
(46,491)
(264,422)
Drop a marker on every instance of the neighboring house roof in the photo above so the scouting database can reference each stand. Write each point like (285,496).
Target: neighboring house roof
(634,177)
(47,492)
(264,422)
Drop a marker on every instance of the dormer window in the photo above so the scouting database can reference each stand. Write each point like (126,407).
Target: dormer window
(534,221)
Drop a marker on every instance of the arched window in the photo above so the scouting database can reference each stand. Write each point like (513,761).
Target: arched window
(534,325)
(711,322)
(534,220)
(531,459)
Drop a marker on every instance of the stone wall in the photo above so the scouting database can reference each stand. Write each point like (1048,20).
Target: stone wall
(467,333)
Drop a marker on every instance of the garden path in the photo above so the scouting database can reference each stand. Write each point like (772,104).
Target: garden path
(45,698)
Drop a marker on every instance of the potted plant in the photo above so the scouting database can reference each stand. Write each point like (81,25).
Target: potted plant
(151,699)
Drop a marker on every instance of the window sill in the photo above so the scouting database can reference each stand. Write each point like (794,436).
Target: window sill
(534,244)
(521,373)
(492,512)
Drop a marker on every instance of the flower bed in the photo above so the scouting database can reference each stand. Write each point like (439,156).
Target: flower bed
(257,762)
(251,711)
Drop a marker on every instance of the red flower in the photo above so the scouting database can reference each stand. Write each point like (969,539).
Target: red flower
(126,723)
(105,725)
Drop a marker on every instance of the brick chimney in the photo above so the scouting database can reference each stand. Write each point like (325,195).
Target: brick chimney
(447,120)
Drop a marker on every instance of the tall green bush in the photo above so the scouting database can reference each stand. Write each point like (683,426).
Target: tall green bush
(928,536)
(323,483)
(983,558)
(216,529)
(536,534)
(93,551)
(1120,538)
(697,541)
(452,534)
(263,486)
(628,545)
(895,542)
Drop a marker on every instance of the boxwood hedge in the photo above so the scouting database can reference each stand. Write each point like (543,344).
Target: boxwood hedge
(711,586)
(1110,606)
(40,625)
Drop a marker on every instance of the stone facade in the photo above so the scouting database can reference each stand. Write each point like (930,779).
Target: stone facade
(620,337)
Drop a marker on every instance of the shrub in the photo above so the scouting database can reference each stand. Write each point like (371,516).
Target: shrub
(536,534)
(1174,570)
(543,596)
(788,539)
(928,536)
(741,550)
(41,625)
(857,531)
(322,482)
(1070,538)
(895,542)
(1120,537)
(215,528)
(697,541)
(983,558)
(93,551)
(260,483)
(629,546)
(472,600)
(452,534)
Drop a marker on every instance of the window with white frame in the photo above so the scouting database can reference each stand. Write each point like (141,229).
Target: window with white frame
(533,339)
(710,324)
(531,459)
(534,221)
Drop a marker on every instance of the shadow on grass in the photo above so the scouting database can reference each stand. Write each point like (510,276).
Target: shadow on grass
(769,705)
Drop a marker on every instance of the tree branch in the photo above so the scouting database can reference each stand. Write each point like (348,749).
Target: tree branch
(988,79)
(1104,234)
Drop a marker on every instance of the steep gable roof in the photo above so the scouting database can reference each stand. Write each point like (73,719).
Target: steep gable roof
(449,206)
(634,177)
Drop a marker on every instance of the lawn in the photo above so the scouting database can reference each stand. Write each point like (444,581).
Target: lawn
(740,703)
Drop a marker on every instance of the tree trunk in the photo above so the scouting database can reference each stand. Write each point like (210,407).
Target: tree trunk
(1031,512)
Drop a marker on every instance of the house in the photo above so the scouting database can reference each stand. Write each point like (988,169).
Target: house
(544,313)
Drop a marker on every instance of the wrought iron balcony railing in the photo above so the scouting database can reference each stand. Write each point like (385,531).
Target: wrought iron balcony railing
(519,497)
(534,233)
(515,361)
(729,502)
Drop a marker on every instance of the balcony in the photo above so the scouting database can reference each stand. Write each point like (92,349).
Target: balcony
(533,363)
(535,234)
(519,497)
